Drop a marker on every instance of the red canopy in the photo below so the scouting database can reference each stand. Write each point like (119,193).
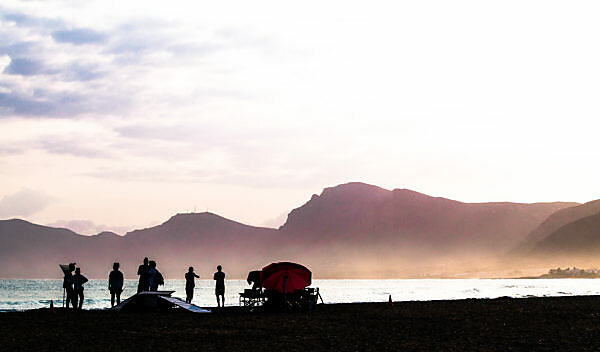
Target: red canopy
(294,276)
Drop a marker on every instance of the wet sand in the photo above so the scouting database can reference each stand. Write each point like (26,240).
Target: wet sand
(533,324)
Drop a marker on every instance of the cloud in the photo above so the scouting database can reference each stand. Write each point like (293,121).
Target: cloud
(25,67)
(23,20)
(79,36)
(88,227)
(22,105)
(277,221)
(73,147)
(65,104)
(23,203)
(21,48)
(65,67)
(43,103)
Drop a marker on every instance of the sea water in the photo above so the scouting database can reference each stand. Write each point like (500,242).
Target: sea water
(31,294)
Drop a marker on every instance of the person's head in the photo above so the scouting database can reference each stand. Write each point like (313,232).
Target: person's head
(115,266)
(77,271)
(71,266)
(219,268)
(152,264)
(146,261)
(191,269)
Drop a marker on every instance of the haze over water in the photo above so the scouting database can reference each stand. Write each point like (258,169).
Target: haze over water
(33,294)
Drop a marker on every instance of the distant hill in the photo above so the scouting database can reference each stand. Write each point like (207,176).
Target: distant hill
(403,230)
(361,213)
(202,240)
(351,230)
(556,221)
(580,237)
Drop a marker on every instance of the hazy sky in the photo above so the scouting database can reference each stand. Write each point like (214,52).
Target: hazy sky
(118,114)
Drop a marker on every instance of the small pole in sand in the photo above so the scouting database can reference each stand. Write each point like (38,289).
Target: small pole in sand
(52,307)
(390,303)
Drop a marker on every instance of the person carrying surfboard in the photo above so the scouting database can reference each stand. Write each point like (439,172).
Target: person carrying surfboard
(68,283)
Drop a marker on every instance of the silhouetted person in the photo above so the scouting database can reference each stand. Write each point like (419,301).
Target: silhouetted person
(219,277)
(154,276)
(68,286)
(254,279)
(144,283)
(115,284)
(78,281)
(189,284)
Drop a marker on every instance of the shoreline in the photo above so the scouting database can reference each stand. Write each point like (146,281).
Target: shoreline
(549,323)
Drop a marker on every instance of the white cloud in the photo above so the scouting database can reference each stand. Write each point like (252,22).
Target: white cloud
(449,98)
(23,203)
(88,227)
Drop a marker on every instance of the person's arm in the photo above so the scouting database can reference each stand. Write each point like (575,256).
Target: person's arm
(83,279)
(109,280)
(139,270)
(197,276)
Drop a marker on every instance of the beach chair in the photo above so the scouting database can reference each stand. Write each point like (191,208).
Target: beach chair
(251,298)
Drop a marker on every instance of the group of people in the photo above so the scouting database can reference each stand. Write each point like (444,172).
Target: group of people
(150,279)
(73,286)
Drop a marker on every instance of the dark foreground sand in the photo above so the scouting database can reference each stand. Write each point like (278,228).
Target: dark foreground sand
(534,324)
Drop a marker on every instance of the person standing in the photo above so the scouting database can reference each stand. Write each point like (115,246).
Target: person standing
(219,277)
(155,278)
(68,285)
(78,281)
(190,284)
(115,284)
(144,283)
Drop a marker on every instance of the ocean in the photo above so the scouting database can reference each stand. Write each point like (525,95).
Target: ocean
(16,295)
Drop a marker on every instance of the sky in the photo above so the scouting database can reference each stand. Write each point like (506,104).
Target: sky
(118,115)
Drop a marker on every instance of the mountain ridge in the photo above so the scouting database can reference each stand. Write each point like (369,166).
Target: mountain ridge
(350,230)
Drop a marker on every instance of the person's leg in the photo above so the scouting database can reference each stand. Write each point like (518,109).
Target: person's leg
(112,299)
(80,299)
(118,298)
(74,299)
(68,297)
(218,302)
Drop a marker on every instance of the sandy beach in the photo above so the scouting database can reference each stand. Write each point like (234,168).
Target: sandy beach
(532,324)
